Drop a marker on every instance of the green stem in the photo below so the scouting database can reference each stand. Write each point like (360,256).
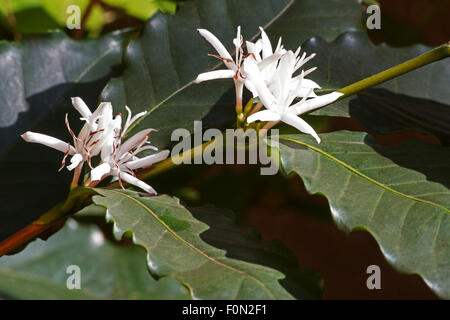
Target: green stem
(436,54)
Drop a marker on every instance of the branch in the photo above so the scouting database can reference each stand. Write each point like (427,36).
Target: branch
(52,220)
(11,20)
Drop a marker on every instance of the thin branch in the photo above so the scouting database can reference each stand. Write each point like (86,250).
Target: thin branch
(436,54)
(11,20)
(79,33)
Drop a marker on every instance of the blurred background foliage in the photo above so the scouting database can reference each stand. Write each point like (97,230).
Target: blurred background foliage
(21,17)
(404,22)
(277,209)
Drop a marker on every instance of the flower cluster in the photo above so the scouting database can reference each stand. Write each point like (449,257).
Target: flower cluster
(103,135)
(269,75)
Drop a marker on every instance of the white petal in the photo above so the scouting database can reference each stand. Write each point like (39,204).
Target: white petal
(302,92)
(147,161)
(133,141)
(297,52)
(137,116)
(82,108)
(249,85)
(279,47)
(127,122)
(298,91)
(307,83)
(136,182)
(108,140)
(270,60)
(307,72)
(302,61)
(98,172)
(254,75)
(131,120)
(101,117)
(255,48)
(300,124)
(75,161)
(104,110)
(218,74)
(212,39)
(48,141)
(315,103)
(265,115)
(266,45)
(285,71)
(238,40)
(105,128)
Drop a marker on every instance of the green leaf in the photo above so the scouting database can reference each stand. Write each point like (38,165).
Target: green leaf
(29,15)
(34,20)
(383,111)
(170,53)
(107,271)
(352,57)
(39,75)
(179,246)
(399,194)
(143,9)
(327,19)
(16,6)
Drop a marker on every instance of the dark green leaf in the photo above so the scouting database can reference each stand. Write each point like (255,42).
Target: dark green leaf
(180,246)
(107,271)
(352,57)
(383,112)
(34,20)
(399,194)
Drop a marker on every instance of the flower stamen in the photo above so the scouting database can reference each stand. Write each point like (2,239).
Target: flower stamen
(63,162)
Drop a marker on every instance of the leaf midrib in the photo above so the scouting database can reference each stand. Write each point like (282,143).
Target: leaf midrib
(191,246)
(355,171)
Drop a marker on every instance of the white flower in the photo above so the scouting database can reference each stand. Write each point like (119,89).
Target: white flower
(233,70)
(93,135)
(268,63)
(121,160)
(102,134)
(234,66)
(266,58)
(90,139)
(307,86)
(279,96)
(48,141)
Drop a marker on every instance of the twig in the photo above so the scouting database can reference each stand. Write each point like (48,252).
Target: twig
(12,20)
(79,33)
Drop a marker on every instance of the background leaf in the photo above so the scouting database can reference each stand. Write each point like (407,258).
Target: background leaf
(108,271)
(30,16)
(399,194)
(383,111)
(175,242)
(352,57)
